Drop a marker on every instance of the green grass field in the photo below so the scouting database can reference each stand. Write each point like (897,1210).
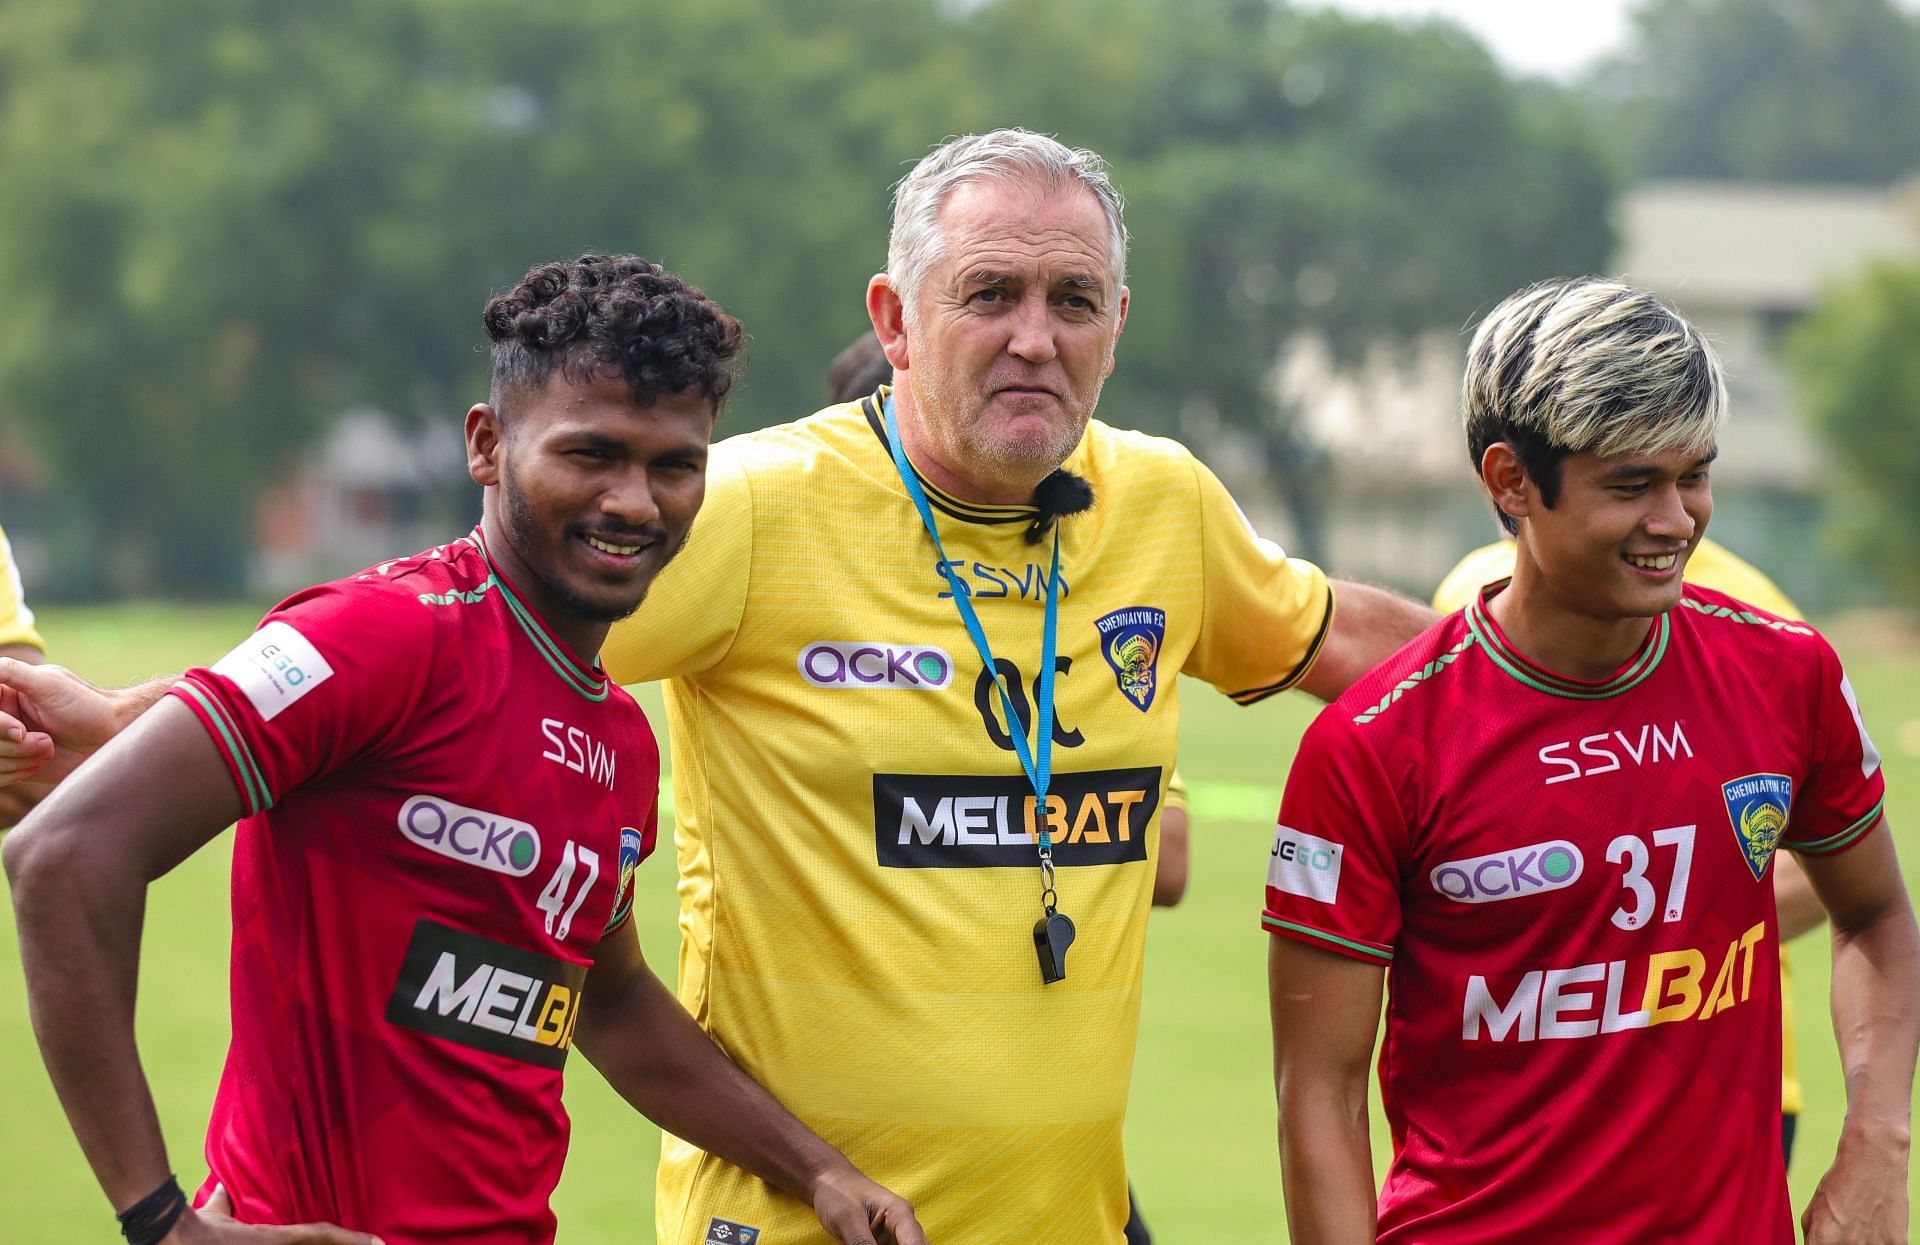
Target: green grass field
(1200,1133)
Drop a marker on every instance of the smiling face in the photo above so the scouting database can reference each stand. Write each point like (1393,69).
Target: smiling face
(589,494)
(1616,541)
(1010,335)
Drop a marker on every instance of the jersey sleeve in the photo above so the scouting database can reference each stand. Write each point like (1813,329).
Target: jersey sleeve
(1333,877)
(1845,791)
(16,620)
(692,612)
(1264,616)
(331,675)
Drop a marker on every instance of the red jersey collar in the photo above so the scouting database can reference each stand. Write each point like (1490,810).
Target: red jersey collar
(1514,663)
(589,679)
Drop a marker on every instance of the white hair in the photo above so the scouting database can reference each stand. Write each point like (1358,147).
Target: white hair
(915,242)
(1592,366)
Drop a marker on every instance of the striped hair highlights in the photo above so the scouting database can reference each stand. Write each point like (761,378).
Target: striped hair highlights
(1587,366)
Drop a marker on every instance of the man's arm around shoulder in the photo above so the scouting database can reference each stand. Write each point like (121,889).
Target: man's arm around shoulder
(1369,624)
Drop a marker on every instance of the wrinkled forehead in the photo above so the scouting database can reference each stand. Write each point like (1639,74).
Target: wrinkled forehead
(1026,225)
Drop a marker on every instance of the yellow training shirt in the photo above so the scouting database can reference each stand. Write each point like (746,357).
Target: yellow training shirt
(16,620)
(859,884)
(1711,566)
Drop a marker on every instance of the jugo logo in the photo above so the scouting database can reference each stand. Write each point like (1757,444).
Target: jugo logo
(1531,870)
(471,836)
(908,667)
(1304,864)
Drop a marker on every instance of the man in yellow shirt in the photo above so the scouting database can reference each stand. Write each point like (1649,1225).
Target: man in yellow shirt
(881,828)
(1714,566)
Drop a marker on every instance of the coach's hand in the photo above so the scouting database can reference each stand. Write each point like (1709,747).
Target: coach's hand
(859,1212)
(1862,1200)
(214,1224)
(51,719)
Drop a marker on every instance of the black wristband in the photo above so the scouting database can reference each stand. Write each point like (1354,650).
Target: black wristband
(148,1220)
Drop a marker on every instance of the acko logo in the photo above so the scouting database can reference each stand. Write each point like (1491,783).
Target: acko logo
(1304,864)
(1531,870)
(909,667)
(976,821)
(471,836)
(487,995)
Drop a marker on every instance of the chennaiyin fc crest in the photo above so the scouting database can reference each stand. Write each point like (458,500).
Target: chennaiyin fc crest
(1130,640)
(1758,805)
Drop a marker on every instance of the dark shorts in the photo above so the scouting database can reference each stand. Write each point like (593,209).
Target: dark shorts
(1137,1233)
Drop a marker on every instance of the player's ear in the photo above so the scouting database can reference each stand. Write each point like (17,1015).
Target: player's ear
(485,441)
(1505,478)
(889,316)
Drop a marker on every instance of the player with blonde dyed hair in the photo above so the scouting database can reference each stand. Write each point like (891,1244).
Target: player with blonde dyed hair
(1553,818)
(1585,366)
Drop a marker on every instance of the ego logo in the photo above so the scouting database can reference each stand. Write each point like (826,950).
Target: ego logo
(471,836)
(1532,870)
(274,667)
(910,667)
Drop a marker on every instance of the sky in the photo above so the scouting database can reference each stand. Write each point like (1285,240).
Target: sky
(1553,38)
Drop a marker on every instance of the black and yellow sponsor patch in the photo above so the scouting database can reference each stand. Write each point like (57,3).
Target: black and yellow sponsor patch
(487,995)
(978,821)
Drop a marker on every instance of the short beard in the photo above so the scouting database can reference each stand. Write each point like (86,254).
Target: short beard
(1019,458)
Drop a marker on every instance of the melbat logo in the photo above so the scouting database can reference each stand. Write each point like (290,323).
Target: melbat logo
(977,821)
(487,995)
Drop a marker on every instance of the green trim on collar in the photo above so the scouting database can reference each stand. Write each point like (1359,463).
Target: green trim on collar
(1510,660)
(590,683)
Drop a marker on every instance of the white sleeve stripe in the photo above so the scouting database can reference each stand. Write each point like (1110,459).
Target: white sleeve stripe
(1869,755)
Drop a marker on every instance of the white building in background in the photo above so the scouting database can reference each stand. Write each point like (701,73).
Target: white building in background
(1744,261)
(372,491)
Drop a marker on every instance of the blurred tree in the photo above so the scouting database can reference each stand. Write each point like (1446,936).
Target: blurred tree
(1859,379)
(1293,171)
(177,236)
(226,221)
(1783,90)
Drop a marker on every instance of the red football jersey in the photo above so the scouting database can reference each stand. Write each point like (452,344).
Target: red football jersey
(1571,883)
(444,810)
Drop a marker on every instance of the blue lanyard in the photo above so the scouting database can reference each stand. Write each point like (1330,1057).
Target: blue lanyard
(1037,760)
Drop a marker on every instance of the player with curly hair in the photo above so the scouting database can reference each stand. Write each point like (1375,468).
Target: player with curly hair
(442,799)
